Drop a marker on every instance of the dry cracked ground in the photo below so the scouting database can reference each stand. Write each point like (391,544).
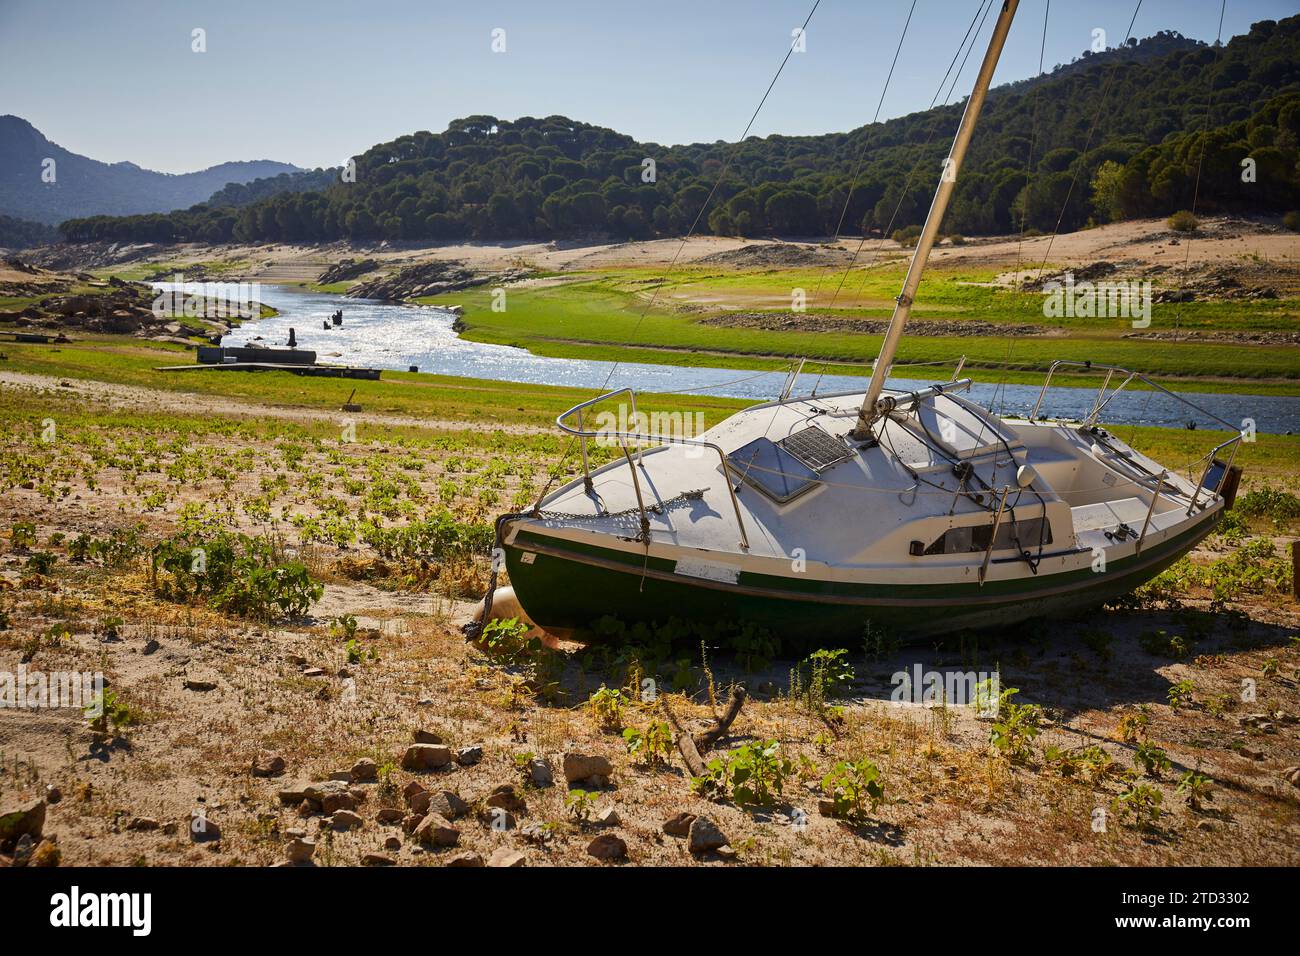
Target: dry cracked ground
(368,731)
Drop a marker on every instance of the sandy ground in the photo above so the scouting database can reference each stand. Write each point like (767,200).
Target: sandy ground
(1221,240)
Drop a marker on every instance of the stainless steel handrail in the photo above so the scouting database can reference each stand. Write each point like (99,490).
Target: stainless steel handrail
(583,435)
(1099,405)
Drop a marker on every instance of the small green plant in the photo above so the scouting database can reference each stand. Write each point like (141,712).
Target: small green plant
(237,574)
(1141,803)
(754,646)
(1195,789)
(854,788)
(753,774)
(1151,759)
(1095,762)
(358,652)
(1269,667)
(109,710)
(878,641)
(1180,694)
(109,629)
(344,626)
(41,562)
(1098,641)
(22,535)
(1133,725)
(1013,733)
(1160,643)
(504,638)
(1184,221)
(1068,763)
(580,804)
(387,790)
(651,746)
(606,707)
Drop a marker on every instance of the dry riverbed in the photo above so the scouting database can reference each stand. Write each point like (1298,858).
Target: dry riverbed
(368,731)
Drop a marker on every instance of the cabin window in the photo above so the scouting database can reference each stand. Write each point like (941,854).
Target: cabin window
(975,538)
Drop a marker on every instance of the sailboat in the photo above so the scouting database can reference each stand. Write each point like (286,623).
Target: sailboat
(818,516)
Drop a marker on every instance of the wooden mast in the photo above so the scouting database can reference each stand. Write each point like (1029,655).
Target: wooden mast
(873,406)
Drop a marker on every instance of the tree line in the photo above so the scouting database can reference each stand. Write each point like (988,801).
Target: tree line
(1110,136)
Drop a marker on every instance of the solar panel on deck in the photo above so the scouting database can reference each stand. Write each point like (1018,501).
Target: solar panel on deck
(771,469)
(815,448)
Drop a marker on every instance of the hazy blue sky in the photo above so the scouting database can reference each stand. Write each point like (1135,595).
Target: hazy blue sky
(312,83)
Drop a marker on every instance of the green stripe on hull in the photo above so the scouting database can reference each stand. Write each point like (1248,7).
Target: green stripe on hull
(570,585)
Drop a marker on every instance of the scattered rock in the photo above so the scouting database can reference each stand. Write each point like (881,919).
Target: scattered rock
(448,804)
(411,789)
(377,859)
(23,849)
(342,776)
(1292,776)
(200,685)
(413,821)
(313,672)
(436,831)
(705,836)
(268,764)
(466,858)
(504,856)
(679,825)
(426,757)
(537,833)
(498,819)
(579,768)
(53,795)
(425,737)
(143,824)
(345,820)
(47,853)
(203,829)
(150,646)
(608,818)
(505,797)
(293,794)
(330,796)
(365,770)
(393,843)
(469,756)
(539,773)
(24,818)
(420,801)
(607,846)
(299,851)
(389,816)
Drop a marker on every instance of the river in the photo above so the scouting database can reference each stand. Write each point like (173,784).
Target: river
(391,336)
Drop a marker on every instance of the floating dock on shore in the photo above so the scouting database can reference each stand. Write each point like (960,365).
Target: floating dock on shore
(298,361)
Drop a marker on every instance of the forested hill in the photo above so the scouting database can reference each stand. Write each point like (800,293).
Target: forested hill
(536,178)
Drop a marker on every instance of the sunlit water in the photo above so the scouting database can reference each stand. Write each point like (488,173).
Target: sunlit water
(390,336)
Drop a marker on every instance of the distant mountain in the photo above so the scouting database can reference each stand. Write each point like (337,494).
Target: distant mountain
(87,187)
